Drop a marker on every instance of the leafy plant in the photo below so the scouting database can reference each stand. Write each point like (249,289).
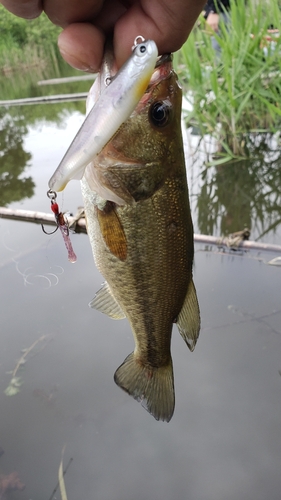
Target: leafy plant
(238,92)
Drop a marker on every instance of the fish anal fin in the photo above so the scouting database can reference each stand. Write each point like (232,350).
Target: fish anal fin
(188,321)
(152,387)
(104,302)
(112,231)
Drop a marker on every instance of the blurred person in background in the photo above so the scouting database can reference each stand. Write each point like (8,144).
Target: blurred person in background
(216,11)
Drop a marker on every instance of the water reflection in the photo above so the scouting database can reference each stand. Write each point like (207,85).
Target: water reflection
(245,193)
(13,160)
(229,197)
(24,84)
(224,440)
(15,124)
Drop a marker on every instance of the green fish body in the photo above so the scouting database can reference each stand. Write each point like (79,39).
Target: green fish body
(139,224)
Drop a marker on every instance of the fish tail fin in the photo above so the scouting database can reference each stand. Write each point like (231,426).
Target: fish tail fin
(152,387)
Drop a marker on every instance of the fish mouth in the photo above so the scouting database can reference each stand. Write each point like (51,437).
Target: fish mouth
(162,70)
(165,58)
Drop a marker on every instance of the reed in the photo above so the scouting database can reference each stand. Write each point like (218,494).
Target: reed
(22,61)
(236,94)
(26,44)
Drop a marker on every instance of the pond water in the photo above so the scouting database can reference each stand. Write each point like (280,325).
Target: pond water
(224,440)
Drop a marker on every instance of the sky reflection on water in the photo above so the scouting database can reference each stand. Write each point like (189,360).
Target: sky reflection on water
(224,440)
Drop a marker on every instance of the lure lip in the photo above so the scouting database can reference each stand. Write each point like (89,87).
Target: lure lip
(122,95)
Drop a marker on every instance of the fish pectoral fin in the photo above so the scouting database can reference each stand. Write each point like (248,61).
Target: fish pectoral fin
(188,321)
(152,387)
(104,302)
(112,231)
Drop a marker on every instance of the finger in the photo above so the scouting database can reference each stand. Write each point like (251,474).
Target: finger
(81,45)
(167,23)
(29,9)
(63,13)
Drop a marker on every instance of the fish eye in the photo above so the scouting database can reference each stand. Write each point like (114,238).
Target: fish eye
(140,49)
(160,113)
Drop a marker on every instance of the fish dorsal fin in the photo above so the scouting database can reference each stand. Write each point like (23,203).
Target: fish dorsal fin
(104,302)
(188,321)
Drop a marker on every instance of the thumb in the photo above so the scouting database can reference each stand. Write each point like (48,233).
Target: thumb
(81,45)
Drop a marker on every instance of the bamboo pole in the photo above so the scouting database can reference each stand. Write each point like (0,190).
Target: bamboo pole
(67,79)
(79,226)
(79,96)
(245,245)
(41,218)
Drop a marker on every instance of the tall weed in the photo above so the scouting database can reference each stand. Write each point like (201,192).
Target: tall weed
(237,92)
(25,44)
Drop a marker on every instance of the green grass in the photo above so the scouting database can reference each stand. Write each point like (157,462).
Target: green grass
(25,44)
(239,93)
(28,53)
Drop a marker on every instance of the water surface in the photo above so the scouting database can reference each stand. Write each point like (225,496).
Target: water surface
(224,439)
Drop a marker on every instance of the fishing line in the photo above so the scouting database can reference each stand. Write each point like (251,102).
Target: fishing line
(29,274)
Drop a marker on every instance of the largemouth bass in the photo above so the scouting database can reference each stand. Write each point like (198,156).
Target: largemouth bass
(107,113)
(139,224)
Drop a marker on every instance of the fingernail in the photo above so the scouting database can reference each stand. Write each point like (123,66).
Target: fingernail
(66,50)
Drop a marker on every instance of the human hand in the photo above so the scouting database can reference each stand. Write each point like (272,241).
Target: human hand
(87,23)
(213,21)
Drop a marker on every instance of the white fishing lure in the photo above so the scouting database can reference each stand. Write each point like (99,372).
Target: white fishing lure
(114,106)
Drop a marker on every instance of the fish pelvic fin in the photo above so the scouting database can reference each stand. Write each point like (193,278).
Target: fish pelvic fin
(188,321)
(104,302)
(150,386)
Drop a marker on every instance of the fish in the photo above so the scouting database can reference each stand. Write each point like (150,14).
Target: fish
(139,224)
(107,113)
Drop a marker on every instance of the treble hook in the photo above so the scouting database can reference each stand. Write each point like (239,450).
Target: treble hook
(62,224)
(52,195)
